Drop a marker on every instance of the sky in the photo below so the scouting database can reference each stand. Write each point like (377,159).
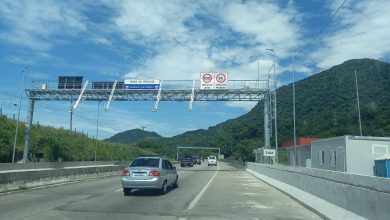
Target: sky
(107,40)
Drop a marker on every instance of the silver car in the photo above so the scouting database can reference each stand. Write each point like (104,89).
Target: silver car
(152,172)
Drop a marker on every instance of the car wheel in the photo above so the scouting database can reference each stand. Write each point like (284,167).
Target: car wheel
(175,184)
(164,188)
(126,191)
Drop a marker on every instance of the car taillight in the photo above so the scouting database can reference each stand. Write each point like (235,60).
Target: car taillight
(125,173)
(154,173)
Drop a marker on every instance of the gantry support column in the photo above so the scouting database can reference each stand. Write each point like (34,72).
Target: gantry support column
(267,139)
(27,133)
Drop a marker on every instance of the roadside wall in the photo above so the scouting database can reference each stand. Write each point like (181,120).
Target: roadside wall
(25,179)
(54,165)
(366,196)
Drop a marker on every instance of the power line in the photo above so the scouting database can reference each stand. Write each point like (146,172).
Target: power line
(322,29)
(63,110)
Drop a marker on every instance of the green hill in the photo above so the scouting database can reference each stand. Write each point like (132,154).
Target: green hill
(60,144)
(326,106)
(132,136)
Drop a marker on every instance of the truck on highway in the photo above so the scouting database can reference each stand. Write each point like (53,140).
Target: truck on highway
(186,161)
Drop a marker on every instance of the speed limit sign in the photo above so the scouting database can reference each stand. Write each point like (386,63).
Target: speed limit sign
(207,80)
(213,80)
(221,79)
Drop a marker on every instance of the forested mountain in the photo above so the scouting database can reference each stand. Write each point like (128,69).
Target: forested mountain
(59,144)
(326,106)
(132,136)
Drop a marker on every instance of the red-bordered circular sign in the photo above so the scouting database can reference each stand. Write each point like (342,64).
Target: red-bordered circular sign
(221,77)
(206,78)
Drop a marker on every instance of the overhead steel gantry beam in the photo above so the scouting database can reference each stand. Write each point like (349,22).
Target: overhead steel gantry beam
(148,95)
(173,90)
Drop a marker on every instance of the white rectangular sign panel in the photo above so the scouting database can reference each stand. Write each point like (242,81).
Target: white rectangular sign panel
(213,80)
(142,81)
(269,152)
(207,80)
(142,84)
(221,80)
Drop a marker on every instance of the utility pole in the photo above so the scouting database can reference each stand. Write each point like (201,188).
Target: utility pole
(97,128)
(358,104)
(258,74)
(295,134)
(71,114)
(143,136)
(275,112)
(20,104)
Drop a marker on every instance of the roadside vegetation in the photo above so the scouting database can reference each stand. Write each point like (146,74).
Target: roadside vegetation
(56,144)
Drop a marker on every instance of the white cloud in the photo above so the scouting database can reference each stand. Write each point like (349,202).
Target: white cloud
(153,20)
(181,62)
(265,23)
(37,25)
(102,41)
(364,32)
(39,76)
(184,52)
(245,105)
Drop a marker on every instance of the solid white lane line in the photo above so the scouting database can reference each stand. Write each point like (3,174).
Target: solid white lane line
(118,190)
(196,199)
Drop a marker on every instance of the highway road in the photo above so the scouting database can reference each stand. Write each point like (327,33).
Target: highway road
(221,192)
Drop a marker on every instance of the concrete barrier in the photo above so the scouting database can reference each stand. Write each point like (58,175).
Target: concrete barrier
(366,196)
(32,178)
(54,165)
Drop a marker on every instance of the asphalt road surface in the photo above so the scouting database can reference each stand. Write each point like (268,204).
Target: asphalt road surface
(221,192)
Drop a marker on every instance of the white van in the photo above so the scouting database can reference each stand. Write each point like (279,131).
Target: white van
(212,161)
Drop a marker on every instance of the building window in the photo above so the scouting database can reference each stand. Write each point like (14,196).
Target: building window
(321,157)
(379,149)
(333,158)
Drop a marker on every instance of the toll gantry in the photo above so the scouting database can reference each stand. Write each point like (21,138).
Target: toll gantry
(76,90)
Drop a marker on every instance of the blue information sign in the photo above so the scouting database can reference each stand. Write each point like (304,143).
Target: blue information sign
(142,86)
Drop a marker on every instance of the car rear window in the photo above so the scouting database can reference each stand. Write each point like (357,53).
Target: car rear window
(212,158)
(145,162)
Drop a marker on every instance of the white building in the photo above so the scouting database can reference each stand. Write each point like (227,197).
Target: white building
(352,154)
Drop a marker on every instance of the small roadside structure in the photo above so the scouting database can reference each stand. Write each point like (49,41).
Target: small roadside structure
(352,154)
(303,151)
(382,166)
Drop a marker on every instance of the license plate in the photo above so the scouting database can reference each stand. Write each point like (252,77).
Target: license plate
(139,174)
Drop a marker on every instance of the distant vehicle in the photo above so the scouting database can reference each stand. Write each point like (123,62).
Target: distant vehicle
(152,172)
(187,161)
(196,160)
(212,161)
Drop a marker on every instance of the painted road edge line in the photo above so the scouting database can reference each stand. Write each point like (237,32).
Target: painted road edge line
(196,199)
